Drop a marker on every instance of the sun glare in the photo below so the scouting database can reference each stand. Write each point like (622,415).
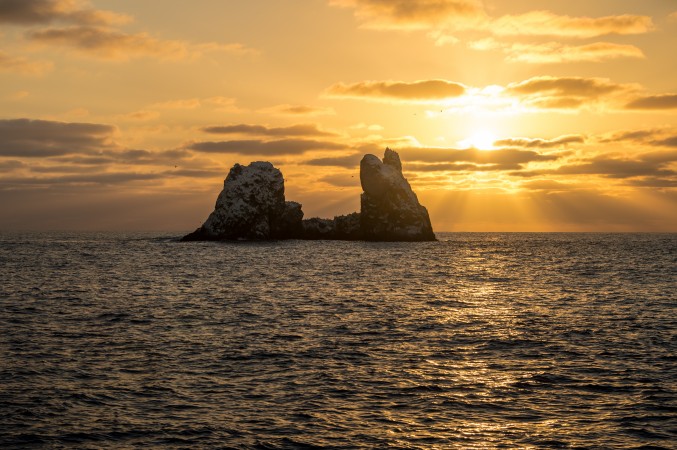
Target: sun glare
(480,139)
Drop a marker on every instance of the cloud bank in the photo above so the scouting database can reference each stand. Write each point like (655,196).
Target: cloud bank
(416,91)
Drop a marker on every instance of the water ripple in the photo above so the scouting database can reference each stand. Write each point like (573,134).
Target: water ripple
(476,341)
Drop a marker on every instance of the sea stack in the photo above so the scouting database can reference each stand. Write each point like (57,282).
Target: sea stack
(252,206)
(390,210)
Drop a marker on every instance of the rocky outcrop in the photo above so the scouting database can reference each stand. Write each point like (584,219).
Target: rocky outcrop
(252,206)
(390,210)
(344,228)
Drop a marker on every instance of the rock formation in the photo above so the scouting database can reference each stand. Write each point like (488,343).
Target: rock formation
(252,206)
(390,210)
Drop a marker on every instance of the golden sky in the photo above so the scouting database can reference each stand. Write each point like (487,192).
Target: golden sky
(509,116)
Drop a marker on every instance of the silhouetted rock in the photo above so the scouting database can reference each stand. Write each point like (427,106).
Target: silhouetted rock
(290,224)
(344,228)
(252,206)
(390,210)
(316,228)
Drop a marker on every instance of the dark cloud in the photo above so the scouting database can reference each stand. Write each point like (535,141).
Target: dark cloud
(617,168)
(653,164)
(654,102)
(541,143)
(195,173)
(39,138)
(668,142)
(107,43)
(348,161)
(258,147)
(342,180)
(425,90)
(654,182)
(299,130)
(107,178)
(501,156)
(32,12)
(138,157)
(462,167)
(75,176)
(443,159)
(633,136)
(11,165)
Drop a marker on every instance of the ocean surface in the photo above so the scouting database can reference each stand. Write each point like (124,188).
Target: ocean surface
(480,340)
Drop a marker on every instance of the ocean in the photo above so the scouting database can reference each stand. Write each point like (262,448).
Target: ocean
(479,340)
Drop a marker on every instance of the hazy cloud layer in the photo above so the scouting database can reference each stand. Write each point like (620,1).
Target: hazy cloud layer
(546,23)
(446,159)
(472,155)
(555,52)
(547,92)
(408,15)
(667,142)
(463,167)
(39,138)
(564,86)
(654,165)
(107,43)
(424,90)
(654,102)
(542,92)
(298,110)
(300,130)
(347,161)
(34,12)
(23,65)
(442,17)
(268,148)
(540,143)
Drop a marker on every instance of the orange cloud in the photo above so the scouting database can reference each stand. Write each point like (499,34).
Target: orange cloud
(417,91)
(579,86)
(546,23)
(555,52)
(654,102)
(443,16)
(298,110)
(410,15)
(537,93)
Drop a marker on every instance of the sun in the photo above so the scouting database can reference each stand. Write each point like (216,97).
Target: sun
(480,139)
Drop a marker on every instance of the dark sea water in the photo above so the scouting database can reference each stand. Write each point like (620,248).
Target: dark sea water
(476,341)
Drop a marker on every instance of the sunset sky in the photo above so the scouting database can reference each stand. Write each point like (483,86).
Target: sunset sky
(517,115)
